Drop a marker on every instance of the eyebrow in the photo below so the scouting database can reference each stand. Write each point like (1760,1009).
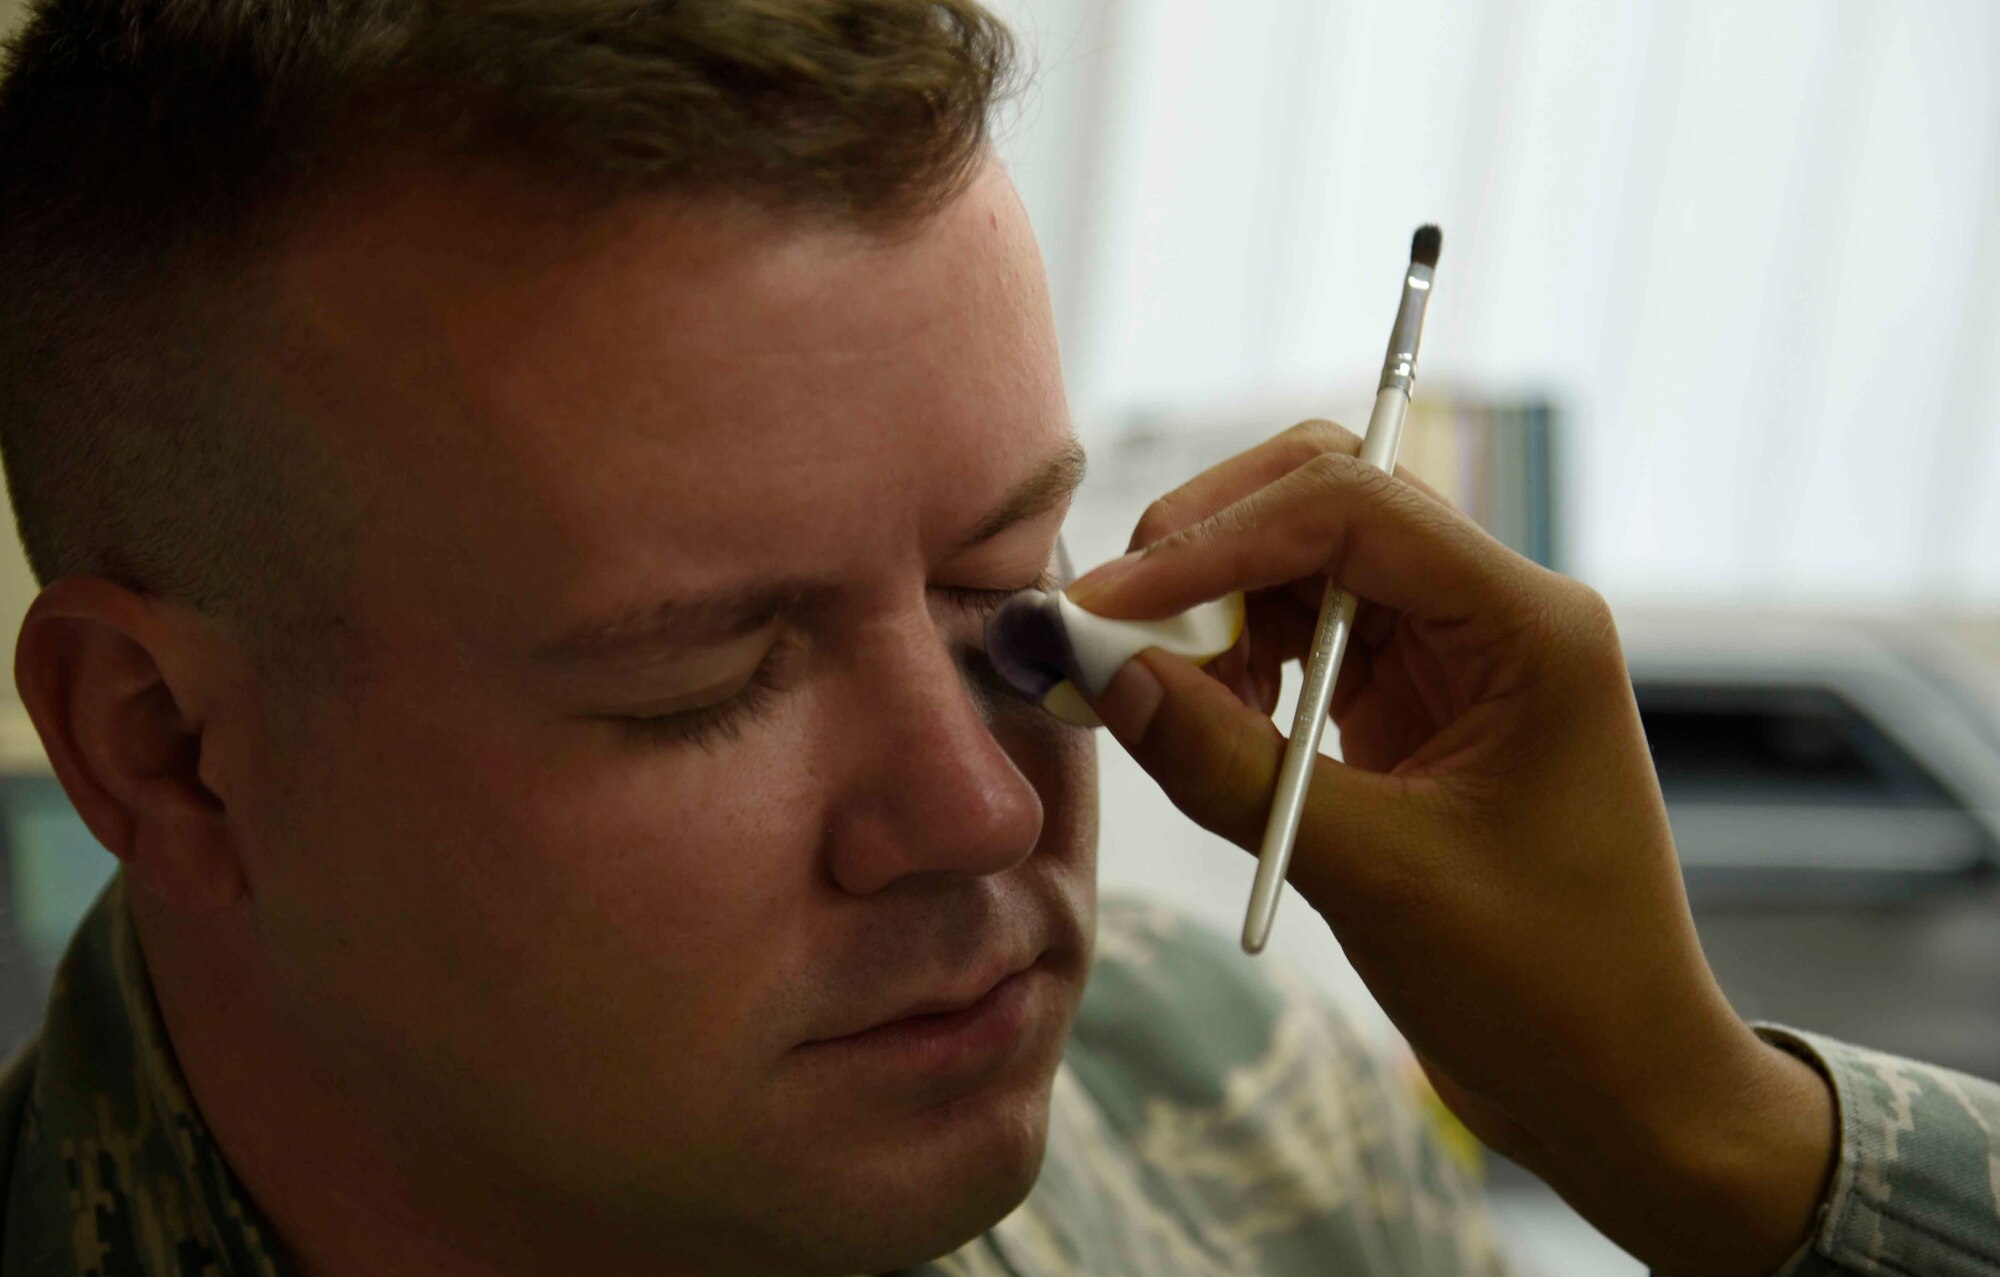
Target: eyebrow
(714,619)
(1046,489)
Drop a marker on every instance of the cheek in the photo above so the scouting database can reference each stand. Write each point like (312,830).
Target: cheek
(679,838)
(467,863)
(672,859)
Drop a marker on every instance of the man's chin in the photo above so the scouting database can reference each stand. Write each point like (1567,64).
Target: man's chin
(882,1180)
(910,1201)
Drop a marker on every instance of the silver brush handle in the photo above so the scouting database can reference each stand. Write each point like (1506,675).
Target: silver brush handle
(1336,620)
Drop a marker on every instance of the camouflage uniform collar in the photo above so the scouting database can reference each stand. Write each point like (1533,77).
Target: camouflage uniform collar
(111,1115)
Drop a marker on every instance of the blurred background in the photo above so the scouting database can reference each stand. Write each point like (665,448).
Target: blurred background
(1715,330)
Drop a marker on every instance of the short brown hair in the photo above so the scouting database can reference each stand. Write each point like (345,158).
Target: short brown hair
(147,145)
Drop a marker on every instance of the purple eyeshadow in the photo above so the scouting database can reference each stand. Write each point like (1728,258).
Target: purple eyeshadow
(1028,645)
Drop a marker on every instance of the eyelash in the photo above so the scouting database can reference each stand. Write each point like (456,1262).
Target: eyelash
(721,722)
(980,601)
(724,721)
(985,601)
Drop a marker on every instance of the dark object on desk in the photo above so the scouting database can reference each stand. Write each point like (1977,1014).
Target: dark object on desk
(1819,759)
(1834,788)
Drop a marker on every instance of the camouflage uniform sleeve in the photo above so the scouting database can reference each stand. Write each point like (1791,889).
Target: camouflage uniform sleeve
(1916,1190)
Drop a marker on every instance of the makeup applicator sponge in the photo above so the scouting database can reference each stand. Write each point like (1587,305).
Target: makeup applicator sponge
(1047,647)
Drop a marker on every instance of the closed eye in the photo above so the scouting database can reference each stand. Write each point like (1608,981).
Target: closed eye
(711,724)
(979,600)
(708,725)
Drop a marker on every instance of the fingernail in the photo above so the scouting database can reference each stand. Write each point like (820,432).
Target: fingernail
(1129,703)
(1095,581)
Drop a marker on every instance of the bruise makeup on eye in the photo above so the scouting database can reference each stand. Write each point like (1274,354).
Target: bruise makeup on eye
(1047,648)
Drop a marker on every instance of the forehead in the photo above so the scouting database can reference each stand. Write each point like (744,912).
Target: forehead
(657,390)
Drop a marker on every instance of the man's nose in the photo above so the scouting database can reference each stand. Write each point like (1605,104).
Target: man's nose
(928,789)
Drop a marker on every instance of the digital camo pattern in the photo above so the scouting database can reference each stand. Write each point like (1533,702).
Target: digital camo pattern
(111,1172)
(1916,1192)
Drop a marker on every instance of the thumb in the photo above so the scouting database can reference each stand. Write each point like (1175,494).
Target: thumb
(1217,760)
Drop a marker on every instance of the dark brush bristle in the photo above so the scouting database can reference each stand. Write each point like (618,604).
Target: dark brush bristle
(1424,245)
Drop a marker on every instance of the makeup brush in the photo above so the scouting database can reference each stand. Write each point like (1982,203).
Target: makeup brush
(1336,609)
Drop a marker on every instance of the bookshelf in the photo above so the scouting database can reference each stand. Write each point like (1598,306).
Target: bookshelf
(1494,457)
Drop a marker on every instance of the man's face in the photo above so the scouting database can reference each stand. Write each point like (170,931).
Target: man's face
(667,750)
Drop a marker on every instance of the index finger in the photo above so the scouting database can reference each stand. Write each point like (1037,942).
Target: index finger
(1230,481)
(1335,515)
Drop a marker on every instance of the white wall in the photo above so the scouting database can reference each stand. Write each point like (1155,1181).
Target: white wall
(1749,247)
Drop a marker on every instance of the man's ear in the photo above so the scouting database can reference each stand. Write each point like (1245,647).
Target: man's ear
(117,685)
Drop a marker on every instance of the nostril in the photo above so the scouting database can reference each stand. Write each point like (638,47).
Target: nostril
(1028,644)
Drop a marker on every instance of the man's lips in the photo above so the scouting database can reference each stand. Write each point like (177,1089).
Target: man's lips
(964,996)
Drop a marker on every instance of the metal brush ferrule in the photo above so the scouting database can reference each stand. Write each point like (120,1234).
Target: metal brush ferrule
(1399,366)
